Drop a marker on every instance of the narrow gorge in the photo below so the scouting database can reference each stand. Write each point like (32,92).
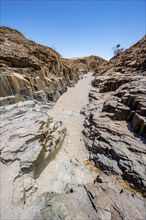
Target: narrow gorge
(73,133)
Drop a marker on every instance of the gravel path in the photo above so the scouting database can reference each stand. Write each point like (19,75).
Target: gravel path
(69,165)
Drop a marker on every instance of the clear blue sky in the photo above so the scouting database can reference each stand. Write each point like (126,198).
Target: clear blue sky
(77,28)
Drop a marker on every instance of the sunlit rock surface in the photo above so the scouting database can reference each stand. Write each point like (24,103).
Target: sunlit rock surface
(115,124)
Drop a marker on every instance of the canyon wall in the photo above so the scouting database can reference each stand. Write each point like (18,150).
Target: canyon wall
(32,71)
(114,133)
(85,64)
(115,124)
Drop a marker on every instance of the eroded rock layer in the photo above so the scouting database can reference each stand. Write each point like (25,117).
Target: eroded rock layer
(30,137)
(85,64)
(115,125)
(103,199)
(29,70)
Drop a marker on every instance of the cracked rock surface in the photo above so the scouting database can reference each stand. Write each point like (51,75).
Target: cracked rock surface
(115,124)
(29,141)
(103,199)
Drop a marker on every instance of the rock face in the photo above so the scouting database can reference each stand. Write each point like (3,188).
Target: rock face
(72,204)
(85,64)
(29,70)
(113,201)
(115,125)
(31,137)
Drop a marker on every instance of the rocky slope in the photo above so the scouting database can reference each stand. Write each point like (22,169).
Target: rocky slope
(85,64)
(115,125)
(29,70)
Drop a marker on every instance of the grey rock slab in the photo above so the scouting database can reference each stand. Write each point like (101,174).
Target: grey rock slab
(113,202)
(113,144)
(30,137)
(74,204)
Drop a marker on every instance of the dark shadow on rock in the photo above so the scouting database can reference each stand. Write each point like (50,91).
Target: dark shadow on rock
(136,135)
(42,163)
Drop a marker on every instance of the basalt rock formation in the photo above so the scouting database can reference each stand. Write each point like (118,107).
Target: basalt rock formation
(32,71)
(115,124)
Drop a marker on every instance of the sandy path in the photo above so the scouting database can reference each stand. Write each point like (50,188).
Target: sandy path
(68,166)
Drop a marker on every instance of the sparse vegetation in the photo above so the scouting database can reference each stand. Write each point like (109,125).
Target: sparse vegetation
(118,49)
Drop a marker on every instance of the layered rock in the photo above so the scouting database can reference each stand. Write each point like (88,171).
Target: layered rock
(85,64)
(30,137)
(28,68)
(114,131)
(115,125)
(113,200)
(131,59)
(127,78)
(103,199)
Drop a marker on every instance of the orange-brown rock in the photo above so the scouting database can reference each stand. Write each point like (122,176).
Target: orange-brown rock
(85,64)
(28,68)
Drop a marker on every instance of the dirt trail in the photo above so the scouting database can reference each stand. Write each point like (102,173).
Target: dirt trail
(68,166)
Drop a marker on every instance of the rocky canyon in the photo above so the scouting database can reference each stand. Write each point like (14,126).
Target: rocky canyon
(72,133)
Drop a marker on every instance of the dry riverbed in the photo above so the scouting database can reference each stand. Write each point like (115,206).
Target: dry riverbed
(69,165)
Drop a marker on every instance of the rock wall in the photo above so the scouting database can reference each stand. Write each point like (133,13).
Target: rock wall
(29,70)
(85,64)
(115,124)
(126,77)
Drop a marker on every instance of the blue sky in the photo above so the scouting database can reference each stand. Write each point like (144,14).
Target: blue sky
(77,28)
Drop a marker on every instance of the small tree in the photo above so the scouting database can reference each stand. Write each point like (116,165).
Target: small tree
(118,49)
